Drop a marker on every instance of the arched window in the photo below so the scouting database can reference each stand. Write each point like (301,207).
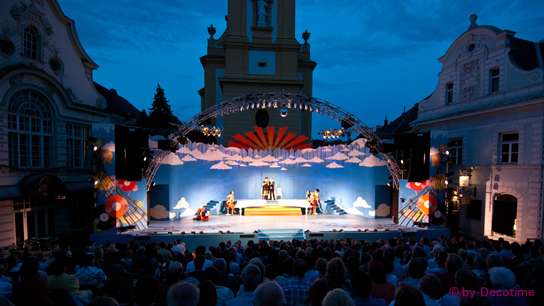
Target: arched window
(30,129)
(505,211)
(31,39)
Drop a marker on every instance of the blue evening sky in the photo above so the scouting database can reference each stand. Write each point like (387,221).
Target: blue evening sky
(373,57)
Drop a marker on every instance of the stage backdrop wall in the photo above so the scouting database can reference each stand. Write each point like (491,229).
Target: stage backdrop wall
(197,173)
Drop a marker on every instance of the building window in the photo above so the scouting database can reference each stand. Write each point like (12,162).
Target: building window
(509,147)
(31,39)
(449,92)
(455,147)
(494,80)
(30,131)
(76,142)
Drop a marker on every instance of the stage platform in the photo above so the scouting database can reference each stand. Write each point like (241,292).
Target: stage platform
(244,228)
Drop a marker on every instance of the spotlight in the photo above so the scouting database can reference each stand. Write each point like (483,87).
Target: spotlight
(269,104)
(402,161)
(283,112)
(275,104)
(182,233)
(447,152)
(311,109)
(253,105)
(96,183)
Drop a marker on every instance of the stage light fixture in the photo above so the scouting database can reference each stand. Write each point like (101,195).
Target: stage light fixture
(359,230)
(341,230)
(399,230)
(311,109)
(220,232)
(170,233)
(269,104)
(182,232)
(193,232)
(283,112)
(375,229)
(334,230)
(253,105)
(387,230)
(447,152)
(154,233)
(228,232)
(366,230)
(305,107)
(258,104)
(289,105)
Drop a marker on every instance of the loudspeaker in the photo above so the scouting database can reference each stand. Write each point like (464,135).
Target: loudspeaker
(419,158)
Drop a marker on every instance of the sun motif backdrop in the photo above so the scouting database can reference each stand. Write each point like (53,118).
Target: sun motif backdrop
(197,173)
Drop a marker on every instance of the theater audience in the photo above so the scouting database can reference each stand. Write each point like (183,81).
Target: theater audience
(269,294)
(251,276)
(337,297)
(297,287)
(183,294)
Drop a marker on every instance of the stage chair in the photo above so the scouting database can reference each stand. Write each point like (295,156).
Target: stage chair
(278,193)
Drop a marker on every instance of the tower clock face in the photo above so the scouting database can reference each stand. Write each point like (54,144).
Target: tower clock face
(261,118)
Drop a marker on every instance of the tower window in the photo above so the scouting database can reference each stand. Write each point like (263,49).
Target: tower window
(494,80)
(449,92)
(31,42)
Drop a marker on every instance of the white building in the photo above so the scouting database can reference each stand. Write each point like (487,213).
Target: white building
(490,101)
(48,101)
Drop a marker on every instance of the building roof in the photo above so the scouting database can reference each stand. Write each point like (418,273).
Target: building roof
(524,53)
(117,104)
(399,125)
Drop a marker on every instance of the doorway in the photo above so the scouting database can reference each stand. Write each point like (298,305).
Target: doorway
(505,210)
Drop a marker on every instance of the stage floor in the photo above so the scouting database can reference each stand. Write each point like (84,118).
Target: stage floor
(248,224)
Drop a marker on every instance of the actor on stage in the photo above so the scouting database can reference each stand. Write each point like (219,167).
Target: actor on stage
(230,203)
(198,215)
(204,214)
(271,193)
(265,189)
(311,199)
(316,201)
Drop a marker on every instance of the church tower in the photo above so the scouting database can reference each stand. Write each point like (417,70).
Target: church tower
(258,52)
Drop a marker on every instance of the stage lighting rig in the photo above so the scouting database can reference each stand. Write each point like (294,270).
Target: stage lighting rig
(332,133)
(211,130)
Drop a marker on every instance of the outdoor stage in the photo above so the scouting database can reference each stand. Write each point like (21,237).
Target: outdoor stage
(244,228)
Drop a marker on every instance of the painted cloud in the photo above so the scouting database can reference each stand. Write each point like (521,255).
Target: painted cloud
(288,162)
(236,157)
(361,203)
(188,158)
(109,146)
(283,169)
(306,165)
(247,159)
(232,163)
(221,166)
(316,160)
(182,203)
(268,158)
(382,211)
(334,165)
(372,161)
(259,163)
(300,160)
(355,153)
(160,212)
(184,150)
(172,159)
(353,160)
(338,156)
(275,165)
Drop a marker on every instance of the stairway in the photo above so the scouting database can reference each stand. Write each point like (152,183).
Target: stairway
(272,209)
(334,208)
(281,234)
(213,207)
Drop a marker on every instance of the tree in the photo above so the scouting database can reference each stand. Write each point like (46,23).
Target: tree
(161,116)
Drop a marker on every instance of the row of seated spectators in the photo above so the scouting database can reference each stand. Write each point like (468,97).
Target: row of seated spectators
(398,271)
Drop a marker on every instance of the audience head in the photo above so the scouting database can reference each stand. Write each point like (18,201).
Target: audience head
(406,295)
(376,272)
(288,265)
(199,262)
(361,284)
(466,279)
(321,265)
(103,301)
(317,293)
(454,263)
(208,293)
(257,262)
(146,289)
(502,278)
(337,297)
(269,294)
(494,260)
(431,285)
(300,268)
(251,277)
(183,294)
(417,267)
(213,274)
(336,272)
(220,264)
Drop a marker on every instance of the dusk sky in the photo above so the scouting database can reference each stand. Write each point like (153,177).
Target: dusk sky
(373,57)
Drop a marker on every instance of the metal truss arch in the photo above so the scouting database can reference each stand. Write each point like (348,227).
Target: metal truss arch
(277,100)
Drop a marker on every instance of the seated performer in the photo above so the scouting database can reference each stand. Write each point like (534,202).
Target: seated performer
(230,203)
(317,202)
(204,214)
(198,215)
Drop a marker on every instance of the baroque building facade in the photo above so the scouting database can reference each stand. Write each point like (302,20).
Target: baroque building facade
(257,53)
(48,101)
(490,103)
